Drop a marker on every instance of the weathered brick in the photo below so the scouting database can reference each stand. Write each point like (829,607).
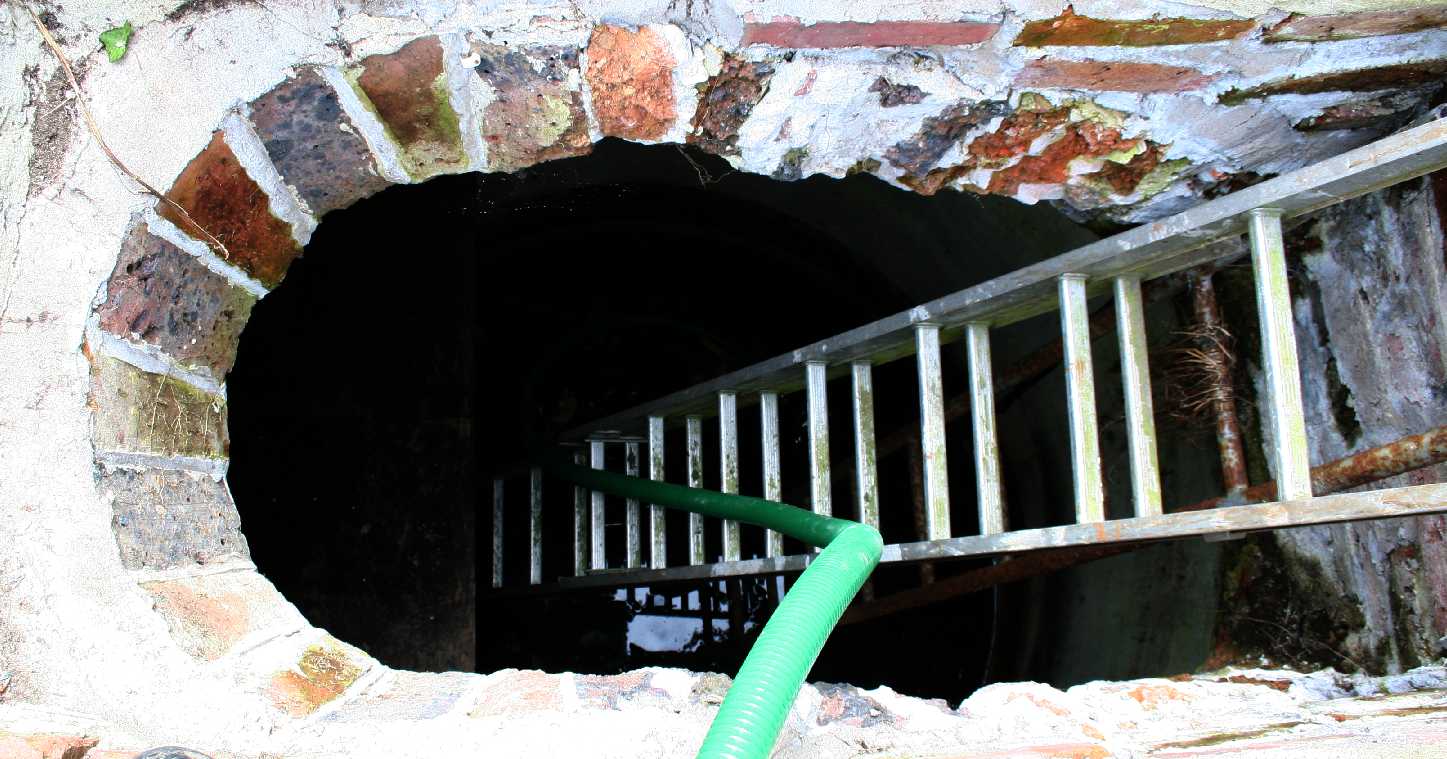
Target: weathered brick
(164,518)
(140,412)
(209,614)
(1344,26)
(630,74)
(314,145)
(408,91)
(512,692)
(1383,112)
(725,102)
(44,745)
(938,134)
(1084,139)
(1110,76)
(1069,29)
(836,34)
(1356,80)
(612,691)
(163,296)
(324,672)
(537,110)
(225,202)
(408,697)
(892,94)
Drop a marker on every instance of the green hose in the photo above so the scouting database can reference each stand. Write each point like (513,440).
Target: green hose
(753,712)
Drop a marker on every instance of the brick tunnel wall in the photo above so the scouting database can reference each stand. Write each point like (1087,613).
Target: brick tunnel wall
(130,581)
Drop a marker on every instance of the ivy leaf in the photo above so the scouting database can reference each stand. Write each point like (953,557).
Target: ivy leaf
(115,41)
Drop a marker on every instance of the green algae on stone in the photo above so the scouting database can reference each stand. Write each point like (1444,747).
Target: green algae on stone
(116,41)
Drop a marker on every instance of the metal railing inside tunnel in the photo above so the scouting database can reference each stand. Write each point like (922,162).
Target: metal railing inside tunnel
(1116,266)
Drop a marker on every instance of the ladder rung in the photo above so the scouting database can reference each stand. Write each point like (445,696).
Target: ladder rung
(1080,392)
(535,525)
(728,434)
(1278,349)
(816,378)
(932,432)
(580,522)
(982,422)
(657,532)
(773,486)
(866,477)
(599,558)
(695,480)
(497,532)
(1135,373)
(633,516)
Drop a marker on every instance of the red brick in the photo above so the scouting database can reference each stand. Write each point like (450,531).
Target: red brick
(1068,29)
(1352,25)
(163,296)
(44,746)
(1110,76)
(630,74)
(836,34)
(223,201)
(408,91)
(513,692)
(210,614)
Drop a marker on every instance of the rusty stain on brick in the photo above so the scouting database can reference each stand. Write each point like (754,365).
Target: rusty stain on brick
(1123,178)
(408,91)
(137,411)
(1356,80)
(937,134)
(1344,26)
(314,145)
(836,34)
(630,74)
(891,94)
(164,296)
(324,671)
(536,114)
(220,197)
(1069,29)
(725,102)
(1110,76)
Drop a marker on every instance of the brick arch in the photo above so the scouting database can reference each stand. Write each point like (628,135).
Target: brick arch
(165,323)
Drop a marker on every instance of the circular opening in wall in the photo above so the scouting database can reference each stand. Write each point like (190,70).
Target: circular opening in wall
(434,335)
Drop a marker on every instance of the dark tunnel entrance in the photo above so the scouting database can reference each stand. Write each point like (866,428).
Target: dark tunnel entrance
(436,334)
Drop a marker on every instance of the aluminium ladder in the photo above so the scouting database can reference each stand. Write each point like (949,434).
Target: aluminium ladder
(1116,265)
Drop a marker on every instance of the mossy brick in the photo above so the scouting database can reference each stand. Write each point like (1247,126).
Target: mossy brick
(1396,76)
(226,206)
(323,672)
(407,90)
(317,149)
(1069,29)
(160,295)
(142,412)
